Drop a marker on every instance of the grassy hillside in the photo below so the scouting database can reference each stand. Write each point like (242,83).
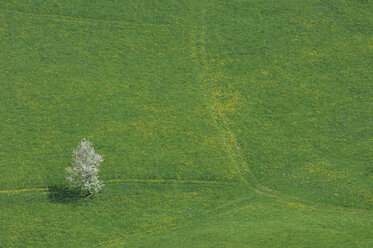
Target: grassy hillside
(293,82)
(222,123)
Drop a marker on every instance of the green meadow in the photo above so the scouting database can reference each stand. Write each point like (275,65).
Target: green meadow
(236,123)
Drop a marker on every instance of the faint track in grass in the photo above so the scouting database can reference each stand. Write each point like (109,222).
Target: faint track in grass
(214,107)
(15,191)
(135,180)
(228,137)
(210,183)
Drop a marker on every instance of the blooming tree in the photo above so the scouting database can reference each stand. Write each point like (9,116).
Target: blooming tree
(85,167)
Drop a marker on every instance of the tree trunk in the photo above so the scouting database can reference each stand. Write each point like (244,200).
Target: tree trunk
(88,193)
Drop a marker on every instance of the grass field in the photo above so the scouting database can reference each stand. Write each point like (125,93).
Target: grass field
(222,123)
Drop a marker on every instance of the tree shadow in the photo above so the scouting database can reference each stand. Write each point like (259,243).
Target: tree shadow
(64,194)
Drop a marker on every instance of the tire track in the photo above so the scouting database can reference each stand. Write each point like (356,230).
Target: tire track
(134,180)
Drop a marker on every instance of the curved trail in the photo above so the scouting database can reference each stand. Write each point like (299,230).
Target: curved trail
(208,78)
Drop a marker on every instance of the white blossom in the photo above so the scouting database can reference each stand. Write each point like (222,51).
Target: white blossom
(85,168)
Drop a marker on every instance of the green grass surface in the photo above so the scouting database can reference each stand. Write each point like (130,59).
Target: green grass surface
(222,123)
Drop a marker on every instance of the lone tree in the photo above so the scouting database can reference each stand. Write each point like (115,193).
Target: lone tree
(83,172)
